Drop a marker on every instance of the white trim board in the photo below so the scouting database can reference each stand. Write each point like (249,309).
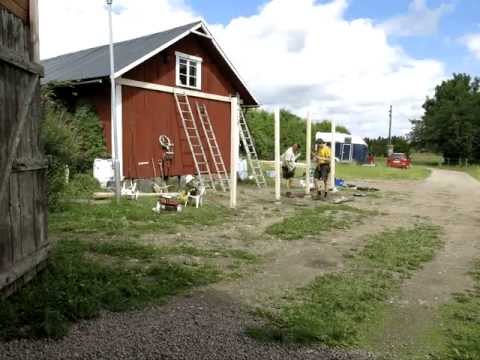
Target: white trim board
(171,90)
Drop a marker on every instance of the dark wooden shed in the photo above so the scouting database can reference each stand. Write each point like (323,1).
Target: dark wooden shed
(23,195)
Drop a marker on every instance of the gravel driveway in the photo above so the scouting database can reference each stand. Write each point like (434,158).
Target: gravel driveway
(205,325)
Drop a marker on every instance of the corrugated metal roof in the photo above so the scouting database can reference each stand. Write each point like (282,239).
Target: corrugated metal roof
(95,62)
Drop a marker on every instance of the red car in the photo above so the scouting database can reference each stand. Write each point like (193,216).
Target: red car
(399,160)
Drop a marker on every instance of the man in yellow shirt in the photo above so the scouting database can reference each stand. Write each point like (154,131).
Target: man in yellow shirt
(322,170)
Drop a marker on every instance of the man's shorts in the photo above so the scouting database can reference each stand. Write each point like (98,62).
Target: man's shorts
(287,174)
(322,171)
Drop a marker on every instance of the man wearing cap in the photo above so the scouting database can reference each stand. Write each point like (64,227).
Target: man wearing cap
(322,170)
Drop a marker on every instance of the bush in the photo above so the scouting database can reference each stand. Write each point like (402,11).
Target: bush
(81,186)
(69,139)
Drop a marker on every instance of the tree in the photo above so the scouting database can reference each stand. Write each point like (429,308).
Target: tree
(378,146)
(292,130)
(451,123)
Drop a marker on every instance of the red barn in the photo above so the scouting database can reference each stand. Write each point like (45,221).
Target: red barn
(149,71)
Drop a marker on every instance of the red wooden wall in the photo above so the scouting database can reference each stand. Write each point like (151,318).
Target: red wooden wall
(147,114)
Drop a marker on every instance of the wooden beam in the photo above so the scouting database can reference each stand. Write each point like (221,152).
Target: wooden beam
(308,154)
(234,149)
(18,8)
(171,90)
(16,134)
(14,59)
(27,164)
(277,153)
(34,37)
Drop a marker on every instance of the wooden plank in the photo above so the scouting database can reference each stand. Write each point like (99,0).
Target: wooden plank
(27,220)
(15,217)
(34,31)
(6,251)
(29,164)
(22,267)
(171,90)
(41,208)
(16,60)
(17,7)
(6,169)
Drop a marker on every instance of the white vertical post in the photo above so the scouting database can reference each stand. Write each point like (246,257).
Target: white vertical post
(113,107)
(308,157)
(119,125)
(234,150)
(332,157)
(277,153)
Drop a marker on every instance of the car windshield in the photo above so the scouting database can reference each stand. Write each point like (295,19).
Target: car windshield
(398,156)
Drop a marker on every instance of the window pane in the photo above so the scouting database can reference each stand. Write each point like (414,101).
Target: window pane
(183,79)
(183,61)
(183,69)
(193,69)
(193,81)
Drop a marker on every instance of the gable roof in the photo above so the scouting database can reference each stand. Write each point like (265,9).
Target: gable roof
(94,63)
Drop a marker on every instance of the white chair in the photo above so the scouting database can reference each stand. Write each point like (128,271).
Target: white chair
(197,198)
(131,191)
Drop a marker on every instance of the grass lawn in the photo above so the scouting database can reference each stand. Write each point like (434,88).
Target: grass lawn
(317,220)
(131,218)
(461,322)
(380,172)
(335,307)
(99,264)
(357,172)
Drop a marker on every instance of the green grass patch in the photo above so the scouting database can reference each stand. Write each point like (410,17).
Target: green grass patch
(380,172)
(335,307)
(130,218)
(317,220)
(461,323)
(75,287)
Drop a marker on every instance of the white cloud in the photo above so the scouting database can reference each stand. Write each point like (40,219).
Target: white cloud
(420,20)
(472,42)
(298,54)
(307,57)
(71,25)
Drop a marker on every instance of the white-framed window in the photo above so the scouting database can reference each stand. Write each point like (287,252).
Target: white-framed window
(189,71)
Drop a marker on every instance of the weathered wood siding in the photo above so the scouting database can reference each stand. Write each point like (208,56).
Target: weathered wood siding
(23,201)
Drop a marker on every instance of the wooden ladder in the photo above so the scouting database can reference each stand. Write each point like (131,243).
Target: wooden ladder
(221,176)
(194,141)
(249,146)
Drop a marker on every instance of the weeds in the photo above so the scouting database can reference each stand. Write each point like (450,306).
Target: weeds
(461,322)
(335,306)
(316,221)
(74,287)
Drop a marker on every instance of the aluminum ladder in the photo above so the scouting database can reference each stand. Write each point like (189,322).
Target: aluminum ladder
(252,156)
(220,176)
(194,141)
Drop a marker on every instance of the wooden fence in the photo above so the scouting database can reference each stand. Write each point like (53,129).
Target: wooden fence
(23,194)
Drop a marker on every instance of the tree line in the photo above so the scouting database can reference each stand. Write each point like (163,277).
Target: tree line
(451,122)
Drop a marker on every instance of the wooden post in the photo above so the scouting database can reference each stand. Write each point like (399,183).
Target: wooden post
(234,150)
(33,8)
(277,154)
(332,158)
(308,156)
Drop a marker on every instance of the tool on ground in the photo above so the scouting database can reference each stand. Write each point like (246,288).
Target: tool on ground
(194,141)
(252,156)
(221,175)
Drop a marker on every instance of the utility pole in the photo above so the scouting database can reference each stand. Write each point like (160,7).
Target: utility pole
(113,105)
(390,126)
(390,146)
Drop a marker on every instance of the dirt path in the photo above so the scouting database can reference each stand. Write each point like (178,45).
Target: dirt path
(411,327)
(209,324)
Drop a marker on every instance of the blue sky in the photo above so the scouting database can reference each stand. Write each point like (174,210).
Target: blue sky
(444,45)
